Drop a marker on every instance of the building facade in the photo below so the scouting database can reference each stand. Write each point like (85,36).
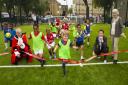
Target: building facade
(79,8)
(54,7)
(122,6)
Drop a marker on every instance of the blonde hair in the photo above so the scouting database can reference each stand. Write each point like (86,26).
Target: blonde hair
(18,30)
(115,11)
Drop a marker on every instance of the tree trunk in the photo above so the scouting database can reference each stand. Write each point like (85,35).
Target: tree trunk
(1,20)
(20,9)
(87,12)
(87,8)
(104,15)
(126,13)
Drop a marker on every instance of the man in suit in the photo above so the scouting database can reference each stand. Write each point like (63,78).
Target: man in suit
(116,32)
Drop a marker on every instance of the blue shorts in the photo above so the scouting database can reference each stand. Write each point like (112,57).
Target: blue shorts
(79,43)
(6,39)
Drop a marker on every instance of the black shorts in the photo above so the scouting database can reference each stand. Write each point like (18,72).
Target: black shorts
(79,44)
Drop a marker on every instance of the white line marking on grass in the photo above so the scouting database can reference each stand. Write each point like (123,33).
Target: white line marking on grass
(59,65)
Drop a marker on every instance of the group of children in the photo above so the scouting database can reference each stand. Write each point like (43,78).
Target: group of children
(59,30)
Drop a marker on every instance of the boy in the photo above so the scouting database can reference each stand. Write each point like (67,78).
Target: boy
(49,38)
(54,30)
(64,49)
(38,42)
(65,25)
(100,45)
(87,31)
(79,39)
(8,29)
(19,46)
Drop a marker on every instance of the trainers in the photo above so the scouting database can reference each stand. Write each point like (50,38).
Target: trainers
(54,56)
(98,57)
(82,60)
(81,65)
(88,43)
(105,61)
(42,63)
(50,57)
(115,61)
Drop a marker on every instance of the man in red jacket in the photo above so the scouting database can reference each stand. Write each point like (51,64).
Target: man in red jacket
(20,47)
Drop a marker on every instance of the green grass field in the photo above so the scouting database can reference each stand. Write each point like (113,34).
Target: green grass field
(87,75)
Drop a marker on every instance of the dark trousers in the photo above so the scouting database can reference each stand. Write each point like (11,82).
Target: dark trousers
(98,51)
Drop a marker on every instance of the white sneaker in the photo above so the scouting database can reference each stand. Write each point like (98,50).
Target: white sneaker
(105,61)
(50,57)
(82,58)
(98,57)
(81,65)
(88,43)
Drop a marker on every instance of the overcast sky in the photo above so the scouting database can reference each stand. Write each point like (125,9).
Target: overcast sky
(69,2)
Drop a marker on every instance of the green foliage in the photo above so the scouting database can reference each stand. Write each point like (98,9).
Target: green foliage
(39,6)
(70,11)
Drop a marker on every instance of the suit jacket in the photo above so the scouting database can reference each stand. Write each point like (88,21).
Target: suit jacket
(97,43)
(118,28)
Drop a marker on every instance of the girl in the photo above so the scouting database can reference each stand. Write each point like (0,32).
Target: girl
(49,38)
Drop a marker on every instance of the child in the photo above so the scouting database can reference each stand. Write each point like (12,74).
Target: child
(65,25)
(8,28)
(100,45)
(49,38)
(54,30)
(79,39)
(57,22)
(64,49)
(38,42)
(87,31)
(19,46)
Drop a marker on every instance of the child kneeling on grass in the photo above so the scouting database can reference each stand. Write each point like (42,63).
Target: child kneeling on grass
(100,45)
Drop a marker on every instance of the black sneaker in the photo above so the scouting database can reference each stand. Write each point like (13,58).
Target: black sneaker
(115,61)
(16,63)
(42,63)
(82,60)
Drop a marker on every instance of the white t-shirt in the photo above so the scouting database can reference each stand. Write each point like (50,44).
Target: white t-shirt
(34,17)
(114,26)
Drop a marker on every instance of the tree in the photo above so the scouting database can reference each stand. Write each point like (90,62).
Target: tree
(70,11)
(24,7)
(9,4)
(106,5)
(87,8)
(1,6)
